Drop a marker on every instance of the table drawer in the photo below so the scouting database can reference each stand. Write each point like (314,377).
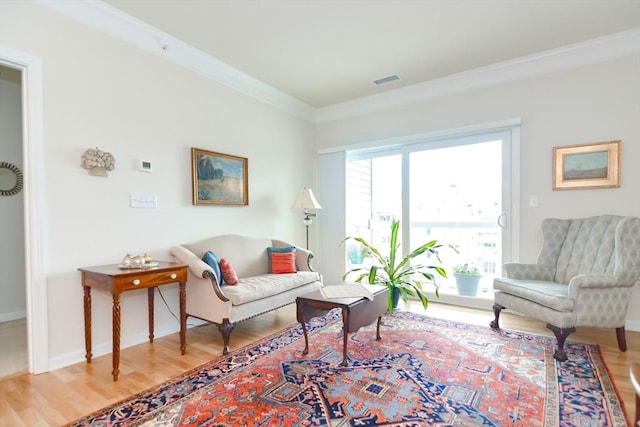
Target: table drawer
(150,279)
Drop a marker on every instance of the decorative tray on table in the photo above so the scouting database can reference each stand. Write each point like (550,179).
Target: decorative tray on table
(132,266)
(131,262)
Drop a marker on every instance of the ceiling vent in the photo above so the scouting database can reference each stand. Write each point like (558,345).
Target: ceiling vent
(387,79)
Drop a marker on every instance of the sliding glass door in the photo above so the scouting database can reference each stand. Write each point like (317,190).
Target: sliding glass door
(455,190)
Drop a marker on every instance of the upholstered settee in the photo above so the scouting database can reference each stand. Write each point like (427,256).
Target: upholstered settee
(584,276)
(257,290)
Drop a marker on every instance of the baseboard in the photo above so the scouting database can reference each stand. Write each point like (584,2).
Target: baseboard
(633,326)
(101,349)
(7,317)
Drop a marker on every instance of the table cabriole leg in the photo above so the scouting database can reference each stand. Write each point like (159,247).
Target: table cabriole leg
(116,335)
(301,319)
(87,323)
(151,306)
(378,337)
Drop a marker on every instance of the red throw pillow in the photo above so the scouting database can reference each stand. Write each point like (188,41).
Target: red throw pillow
(282,263)
(228,273)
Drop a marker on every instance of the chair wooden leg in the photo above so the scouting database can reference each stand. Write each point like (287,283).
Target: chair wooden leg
(497,308)
(561,335)
(622,338)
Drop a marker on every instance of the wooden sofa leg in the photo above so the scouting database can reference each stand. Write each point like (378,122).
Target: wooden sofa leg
(622,338)
(225,329)
(561,335)
(497,308)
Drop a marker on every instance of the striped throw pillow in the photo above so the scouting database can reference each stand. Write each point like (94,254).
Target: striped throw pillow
(282,263)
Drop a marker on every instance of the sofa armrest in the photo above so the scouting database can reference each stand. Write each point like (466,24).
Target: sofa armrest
(196,265)
(198,268)
(303,256)
(523,271)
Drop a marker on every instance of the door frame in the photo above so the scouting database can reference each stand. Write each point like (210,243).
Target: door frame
(34,204)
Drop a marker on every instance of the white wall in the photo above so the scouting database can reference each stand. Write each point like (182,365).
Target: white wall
(599,102)
(13,300)
(100,92)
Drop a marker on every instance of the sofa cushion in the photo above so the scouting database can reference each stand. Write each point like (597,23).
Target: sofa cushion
(285,250)
(283,263)
(211,259)
(262,286)
(228,273)
(247,254)
(550,294)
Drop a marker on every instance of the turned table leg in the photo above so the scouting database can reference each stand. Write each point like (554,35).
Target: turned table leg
(183,317)
(116,336)
(151,306)
(87,323)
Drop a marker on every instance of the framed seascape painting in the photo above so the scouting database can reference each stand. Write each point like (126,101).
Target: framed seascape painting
(594,165)
(219,179)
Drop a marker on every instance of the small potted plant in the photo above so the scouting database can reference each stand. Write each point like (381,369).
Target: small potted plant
(467,279)
(397,272)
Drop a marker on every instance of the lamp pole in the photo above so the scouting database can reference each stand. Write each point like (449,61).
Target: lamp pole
(307,222)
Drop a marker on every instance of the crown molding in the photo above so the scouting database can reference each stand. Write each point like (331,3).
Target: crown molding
(592,51)
(112,21)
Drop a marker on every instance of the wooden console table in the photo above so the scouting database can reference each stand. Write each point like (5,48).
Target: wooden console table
(113,279)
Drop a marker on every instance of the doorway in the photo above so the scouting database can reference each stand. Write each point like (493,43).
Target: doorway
(33,197)
(13,306)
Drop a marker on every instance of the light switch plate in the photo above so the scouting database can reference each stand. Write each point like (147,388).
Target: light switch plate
(143,200)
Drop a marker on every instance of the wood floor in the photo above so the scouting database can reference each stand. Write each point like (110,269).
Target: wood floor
(61,396)
(13,347)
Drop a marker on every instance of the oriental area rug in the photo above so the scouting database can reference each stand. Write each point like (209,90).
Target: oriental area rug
(424,372)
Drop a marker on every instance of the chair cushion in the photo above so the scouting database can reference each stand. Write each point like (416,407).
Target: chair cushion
(550,294)
(587,247)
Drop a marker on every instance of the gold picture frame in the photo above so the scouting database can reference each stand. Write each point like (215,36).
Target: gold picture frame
(219,179)
(583,166)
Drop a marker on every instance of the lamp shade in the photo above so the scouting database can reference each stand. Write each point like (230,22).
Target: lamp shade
(306,200)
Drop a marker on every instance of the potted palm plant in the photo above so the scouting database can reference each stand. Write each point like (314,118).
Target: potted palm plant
(397,273)
(467,279)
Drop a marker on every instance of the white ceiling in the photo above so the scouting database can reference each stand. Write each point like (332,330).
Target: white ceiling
(324,52)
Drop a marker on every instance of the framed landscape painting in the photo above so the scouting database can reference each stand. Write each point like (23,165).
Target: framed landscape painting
(586,166)
(219,179)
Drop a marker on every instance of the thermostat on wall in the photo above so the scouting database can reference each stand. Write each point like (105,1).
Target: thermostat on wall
(145,165)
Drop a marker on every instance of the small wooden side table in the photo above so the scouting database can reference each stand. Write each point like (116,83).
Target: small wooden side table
(356,313)
(113,279)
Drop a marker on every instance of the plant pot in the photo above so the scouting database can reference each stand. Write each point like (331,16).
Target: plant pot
(467,284)
(395,298)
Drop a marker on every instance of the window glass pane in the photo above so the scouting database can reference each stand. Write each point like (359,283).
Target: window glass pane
(374,199)
(456,198)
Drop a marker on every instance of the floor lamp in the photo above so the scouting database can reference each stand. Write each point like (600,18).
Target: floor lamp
(306,201)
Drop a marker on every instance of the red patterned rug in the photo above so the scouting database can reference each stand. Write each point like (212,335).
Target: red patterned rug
(424,371)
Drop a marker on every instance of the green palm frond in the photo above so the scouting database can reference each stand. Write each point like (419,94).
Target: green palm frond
(397,273)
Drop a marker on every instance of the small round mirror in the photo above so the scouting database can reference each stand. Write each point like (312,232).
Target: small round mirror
(10,179)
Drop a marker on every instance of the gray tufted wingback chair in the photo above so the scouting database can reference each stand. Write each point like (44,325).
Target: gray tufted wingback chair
(584,276)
